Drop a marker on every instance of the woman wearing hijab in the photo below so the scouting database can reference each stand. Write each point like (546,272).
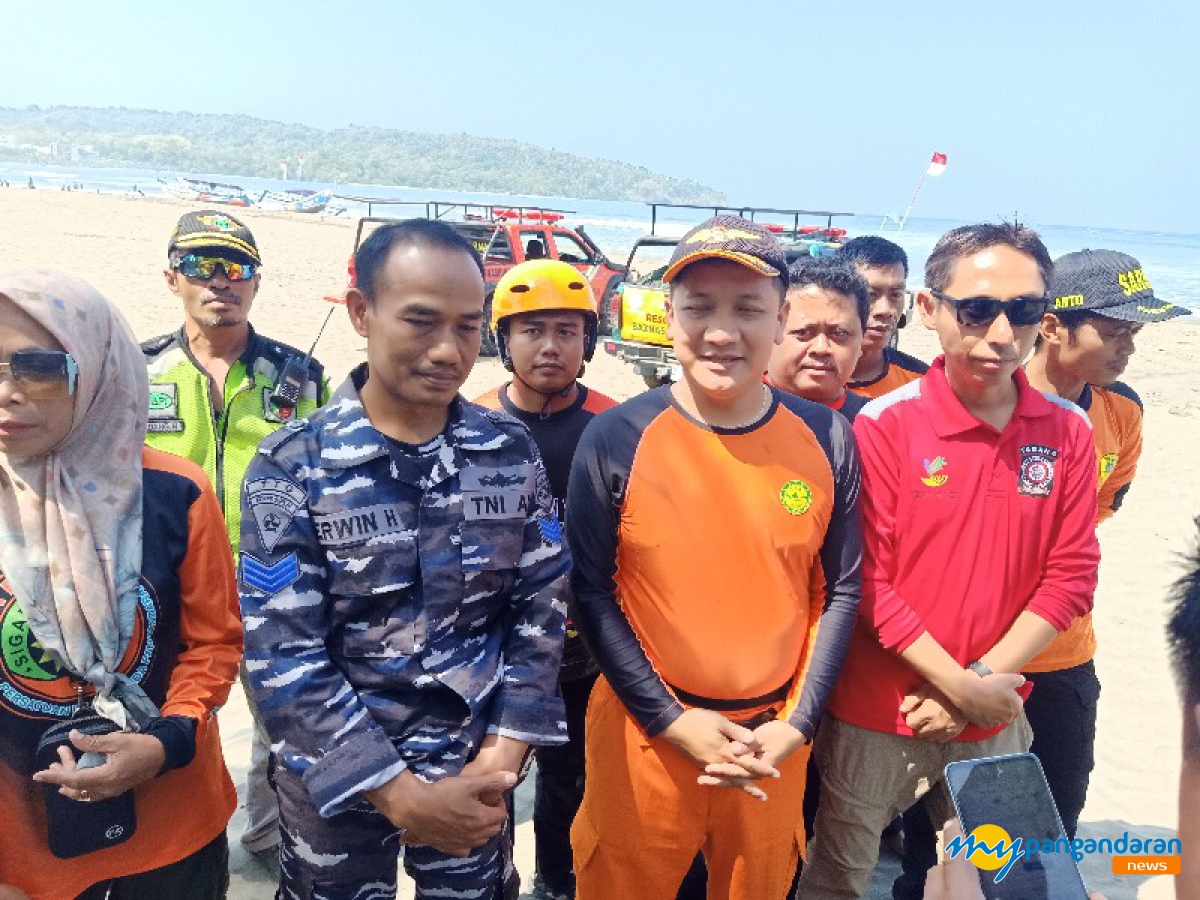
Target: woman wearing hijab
(118,614)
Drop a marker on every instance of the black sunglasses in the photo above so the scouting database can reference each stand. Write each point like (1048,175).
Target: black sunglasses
(42,374)
(976,312)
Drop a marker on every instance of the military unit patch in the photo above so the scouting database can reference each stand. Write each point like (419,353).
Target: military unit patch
(273,501)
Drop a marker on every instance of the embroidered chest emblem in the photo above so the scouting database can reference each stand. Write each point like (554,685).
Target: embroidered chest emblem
(1037,470)
(934,472)
(1108,464)
(796,497)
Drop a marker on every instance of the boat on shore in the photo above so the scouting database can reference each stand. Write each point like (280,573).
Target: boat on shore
(300,201)
(200,191)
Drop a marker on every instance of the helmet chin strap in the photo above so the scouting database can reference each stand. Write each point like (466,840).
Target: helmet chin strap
(549,395)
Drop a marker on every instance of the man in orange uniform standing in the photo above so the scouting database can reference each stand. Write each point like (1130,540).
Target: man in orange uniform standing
(546,326)
(828,305)
(717,530)
(881,367)
(1100,299)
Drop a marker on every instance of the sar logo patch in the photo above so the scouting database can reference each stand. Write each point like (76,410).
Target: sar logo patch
(796,497)
(1037,470)
(272,578)
(1108,464)
(273,501)
(934,476)
(35,685)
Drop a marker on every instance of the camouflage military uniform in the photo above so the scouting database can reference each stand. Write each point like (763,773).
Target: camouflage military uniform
(400,603)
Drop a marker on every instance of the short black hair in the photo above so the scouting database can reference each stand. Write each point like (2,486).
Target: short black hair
(372,254)
(968,240)
(870,250)
(1071,319)
(832,273)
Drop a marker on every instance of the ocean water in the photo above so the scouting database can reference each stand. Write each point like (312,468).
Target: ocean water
(1171,261)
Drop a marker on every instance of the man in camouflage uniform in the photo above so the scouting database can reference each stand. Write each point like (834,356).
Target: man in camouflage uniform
(404,592)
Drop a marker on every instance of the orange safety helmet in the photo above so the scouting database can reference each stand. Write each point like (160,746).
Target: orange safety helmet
(543,285)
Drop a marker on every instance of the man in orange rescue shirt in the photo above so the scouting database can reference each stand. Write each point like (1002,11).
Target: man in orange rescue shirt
(717,548)
(1100,299)
(881,367)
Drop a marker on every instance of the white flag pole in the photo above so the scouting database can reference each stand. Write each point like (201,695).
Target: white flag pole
(920,184)
(935,166)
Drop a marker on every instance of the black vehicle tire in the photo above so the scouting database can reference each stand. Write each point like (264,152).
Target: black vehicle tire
(607,319)
(487,339)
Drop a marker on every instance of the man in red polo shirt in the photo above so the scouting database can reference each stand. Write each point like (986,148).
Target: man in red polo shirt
(979,547)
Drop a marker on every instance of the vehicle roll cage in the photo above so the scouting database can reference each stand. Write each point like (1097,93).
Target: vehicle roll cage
(749,212)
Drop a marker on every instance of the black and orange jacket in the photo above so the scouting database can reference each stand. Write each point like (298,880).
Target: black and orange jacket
(557,435)
(899,368)
(716,567)
(184,653)
(1116,416)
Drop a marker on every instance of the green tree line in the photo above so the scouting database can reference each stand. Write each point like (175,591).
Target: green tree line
(242,145)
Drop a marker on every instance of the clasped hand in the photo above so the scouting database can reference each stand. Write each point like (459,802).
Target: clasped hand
(456,814)
(732,755)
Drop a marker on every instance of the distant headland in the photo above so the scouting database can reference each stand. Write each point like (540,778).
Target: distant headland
(242,145)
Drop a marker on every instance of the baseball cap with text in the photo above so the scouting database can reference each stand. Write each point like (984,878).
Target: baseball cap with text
(1109,284)
(208,229)
(733,238)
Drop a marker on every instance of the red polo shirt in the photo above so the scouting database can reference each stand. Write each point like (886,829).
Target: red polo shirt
(965,528)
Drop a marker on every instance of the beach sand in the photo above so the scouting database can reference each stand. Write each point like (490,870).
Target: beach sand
(119,244)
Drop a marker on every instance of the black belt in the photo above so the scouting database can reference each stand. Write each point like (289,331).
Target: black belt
(780,693)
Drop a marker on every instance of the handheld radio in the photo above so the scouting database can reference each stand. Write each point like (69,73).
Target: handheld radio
(286,394)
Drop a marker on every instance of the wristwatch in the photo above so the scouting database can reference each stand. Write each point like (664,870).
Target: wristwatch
(980,669)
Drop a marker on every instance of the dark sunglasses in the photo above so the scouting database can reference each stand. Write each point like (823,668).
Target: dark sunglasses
(205,267)
(42,374)
(975,312)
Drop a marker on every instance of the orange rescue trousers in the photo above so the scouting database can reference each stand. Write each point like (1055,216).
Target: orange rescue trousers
(644,818)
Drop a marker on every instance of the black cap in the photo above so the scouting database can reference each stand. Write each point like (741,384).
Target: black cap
(734,238)
(209,229)
(1109,284)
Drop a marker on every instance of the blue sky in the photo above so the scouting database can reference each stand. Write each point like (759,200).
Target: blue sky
(1062,111)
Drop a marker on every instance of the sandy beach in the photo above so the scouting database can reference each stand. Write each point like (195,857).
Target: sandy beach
(119,244)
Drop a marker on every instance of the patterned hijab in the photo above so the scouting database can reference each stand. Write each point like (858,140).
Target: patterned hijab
(71,521)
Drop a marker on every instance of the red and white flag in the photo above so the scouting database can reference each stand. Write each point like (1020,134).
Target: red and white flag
(937,165)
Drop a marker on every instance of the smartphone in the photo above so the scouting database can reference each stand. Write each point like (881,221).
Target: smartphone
(1010,793)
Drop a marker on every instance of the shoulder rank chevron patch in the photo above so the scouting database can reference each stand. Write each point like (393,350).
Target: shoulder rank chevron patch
(550,528)
(269,579)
